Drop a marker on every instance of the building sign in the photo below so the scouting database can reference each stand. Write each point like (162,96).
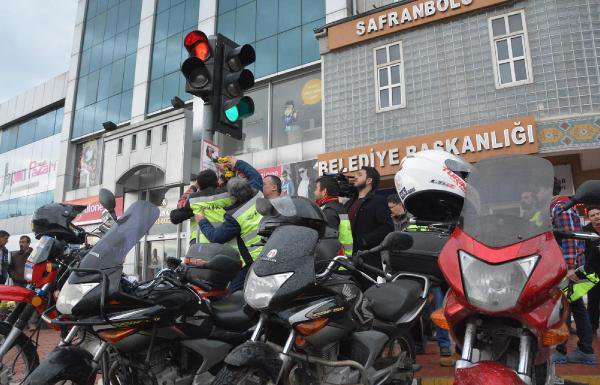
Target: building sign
(275,170)
(518,136)
(94,210)
(399,18)
(30,169)
(88,164)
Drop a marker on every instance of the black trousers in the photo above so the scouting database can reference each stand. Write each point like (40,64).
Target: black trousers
(594,307)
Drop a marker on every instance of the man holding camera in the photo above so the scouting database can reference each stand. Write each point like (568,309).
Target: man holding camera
(327,193)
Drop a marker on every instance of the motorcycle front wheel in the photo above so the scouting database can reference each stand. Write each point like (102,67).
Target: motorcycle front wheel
(20,360)
(242,376)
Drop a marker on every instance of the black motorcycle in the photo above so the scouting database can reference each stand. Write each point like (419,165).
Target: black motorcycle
(315,325)
(159,332)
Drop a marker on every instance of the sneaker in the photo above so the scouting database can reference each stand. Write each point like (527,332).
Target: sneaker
(579,357)
(445,352)
(559,358)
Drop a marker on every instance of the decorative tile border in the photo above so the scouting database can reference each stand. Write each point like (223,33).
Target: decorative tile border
(569,133)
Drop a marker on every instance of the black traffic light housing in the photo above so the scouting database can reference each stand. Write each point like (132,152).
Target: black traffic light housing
(215,72)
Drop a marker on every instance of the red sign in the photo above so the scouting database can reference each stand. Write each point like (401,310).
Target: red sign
(276,170)
(93,213)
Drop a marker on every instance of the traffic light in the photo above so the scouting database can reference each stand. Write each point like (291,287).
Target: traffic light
(198,68)
(215,72)
(234,106)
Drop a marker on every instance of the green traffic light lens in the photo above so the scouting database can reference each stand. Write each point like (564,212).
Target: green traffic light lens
(232,114)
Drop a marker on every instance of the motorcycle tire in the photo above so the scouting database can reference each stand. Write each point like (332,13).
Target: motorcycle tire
(24,347)
(50,373)
(241,376)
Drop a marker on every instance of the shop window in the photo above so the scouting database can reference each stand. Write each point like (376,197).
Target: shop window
(120,147)
(389,77)
(87,164)
(296,110)
(510,50)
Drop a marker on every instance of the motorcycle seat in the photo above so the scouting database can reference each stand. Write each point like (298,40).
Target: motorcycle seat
(228,313)
(390,301)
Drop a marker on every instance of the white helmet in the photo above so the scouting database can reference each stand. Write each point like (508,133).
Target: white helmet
(431,184)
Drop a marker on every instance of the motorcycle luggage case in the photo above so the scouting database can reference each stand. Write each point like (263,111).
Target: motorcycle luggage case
(422,257)
(212,264)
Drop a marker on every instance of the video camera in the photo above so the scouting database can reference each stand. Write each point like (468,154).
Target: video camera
(347,189)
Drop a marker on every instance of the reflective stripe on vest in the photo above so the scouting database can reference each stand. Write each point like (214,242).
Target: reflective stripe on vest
(214,211)
(345,234)
(416,228)
(248,219)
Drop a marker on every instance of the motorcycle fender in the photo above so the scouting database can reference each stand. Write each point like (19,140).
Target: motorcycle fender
(489,373)
(62,360)
(16,293)
(257,354)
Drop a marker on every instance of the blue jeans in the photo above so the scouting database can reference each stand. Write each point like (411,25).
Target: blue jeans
(237,283)
(443,339)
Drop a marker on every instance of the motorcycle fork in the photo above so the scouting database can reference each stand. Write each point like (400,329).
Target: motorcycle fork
(24,313)
(283,355)
(524,367)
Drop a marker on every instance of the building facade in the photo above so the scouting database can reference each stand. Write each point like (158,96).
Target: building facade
(407,75)
(30,132)
(125,69)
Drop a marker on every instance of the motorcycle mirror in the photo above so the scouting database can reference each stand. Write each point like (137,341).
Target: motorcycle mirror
(107,200)
(264,207)
(588,193)
(397,240)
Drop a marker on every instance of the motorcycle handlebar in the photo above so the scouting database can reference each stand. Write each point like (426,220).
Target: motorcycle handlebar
(577,235)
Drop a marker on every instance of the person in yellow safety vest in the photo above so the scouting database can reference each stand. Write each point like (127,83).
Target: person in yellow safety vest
(241,220)
(203,194)
(327,192)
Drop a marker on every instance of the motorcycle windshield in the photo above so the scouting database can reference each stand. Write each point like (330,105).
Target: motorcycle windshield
(111,249)
(508,200)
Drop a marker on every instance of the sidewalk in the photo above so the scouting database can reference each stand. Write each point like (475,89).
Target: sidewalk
(431,373)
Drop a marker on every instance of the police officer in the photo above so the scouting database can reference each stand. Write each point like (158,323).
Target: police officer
(327,192)
(241,220)
(203,195)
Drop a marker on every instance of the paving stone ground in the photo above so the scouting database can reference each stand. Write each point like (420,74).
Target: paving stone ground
(431,373)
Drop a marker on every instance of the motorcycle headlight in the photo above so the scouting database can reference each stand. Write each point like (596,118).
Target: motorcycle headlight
(495,288)
(70,294)
(258,291)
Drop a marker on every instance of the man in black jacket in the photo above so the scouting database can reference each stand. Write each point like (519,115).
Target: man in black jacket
(369,215)
(592,263)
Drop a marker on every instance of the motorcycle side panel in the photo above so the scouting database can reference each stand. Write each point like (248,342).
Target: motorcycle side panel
(212,351)
(488,373)
(257,354)
(16,293)
(364,347)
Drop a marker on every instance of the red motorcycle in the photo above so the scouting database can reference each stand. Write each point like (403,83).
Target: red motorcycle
(505,309)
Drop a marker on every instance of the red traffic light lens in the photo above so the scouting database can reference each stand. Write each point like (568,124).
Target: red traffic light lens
(196,43)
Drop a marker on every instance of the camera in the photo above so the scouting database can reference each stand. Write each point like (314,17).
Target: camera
(347,189)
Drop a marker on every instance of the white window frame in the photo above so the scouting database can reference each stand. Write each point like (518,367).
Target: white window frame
(389,65)
(507,36)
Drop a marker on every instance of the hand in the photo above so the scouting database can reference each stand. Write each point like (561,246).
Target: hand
(572,276)
(200,216)
(194,186)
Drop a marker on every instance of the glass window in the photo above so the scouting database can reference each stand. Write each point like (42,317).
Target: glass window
(120,45)
(111,23)
(84,67)
(226,5)
(512,62)
(226,24)
(132,39)
(389,76)
(163,5)
(312,10)
(148,138)
(161,26)
(100,116)
(125,113)
(192,13)
(8,140)
(174,46)
(104,82)
(120,146)
(163,136)
(133,142)
(245,24)
(176,19)
(266,57)
(114,105)
(45,125)
(310,50)
(59,120)
(91,91)
(26,132)
(107,52)
(129,72)
(288,49)
(116,77)
(289,14)
(296,112)
(266,10)
(159,51)
(155,95)
(170,88)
